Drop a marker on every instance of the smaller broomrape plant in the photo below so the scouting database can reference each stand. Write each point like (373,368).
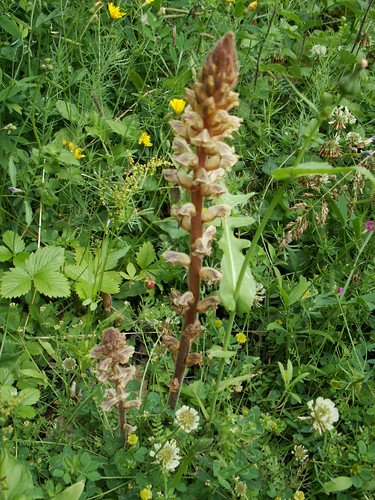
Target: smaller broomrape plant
(113,369)
(204,158)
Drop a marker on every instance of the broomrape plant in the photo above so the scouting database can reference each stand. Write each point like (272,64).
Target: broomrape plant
(204,158)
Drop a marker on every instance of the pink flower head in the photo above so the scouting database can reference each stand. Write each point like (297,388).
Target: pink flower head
(370,226)
(340,289)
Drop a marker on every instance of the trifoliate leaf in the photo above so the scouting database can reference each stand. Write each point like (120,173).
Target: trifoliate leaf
(13,241)
(146,255)
(15,282)
(46,259)
(51,283)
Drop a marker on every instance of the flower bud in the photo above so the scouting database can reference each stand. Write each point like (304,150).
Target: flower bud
(215,211)
(208,303)
(177,258)
(170,342)
(202,246)
(181,302)
(210,275)
(194,358)
(192,331)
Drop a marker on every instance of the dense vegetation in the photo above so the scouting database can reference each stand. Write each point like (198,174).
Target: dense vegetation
(279,397)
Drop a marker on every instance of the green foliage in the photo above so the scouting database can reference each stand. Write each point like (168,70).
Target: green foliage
(73,82)
(39,270)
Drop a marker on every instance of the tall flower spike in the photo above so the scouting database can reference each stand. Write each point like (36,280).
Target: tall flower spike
(203,158)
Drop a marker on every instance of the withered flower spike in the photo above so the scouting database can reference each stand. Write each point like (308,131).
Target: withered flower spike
(201,151)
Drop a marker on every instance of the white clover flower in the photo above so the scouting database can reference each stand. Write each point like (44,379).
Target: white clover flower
(166,455)
(342,117)
(318,51)
(300,453)
(69,364)
(260,293)
(324,414)
(187,418)
(353,138)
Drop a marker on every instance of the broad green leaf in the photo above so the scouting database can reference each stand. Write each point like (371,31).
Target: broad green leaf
(340,483)
(111,282)
(12,171)
(13,241)
(47,346)
(231,264)
(298,291)
(76,272)
(15,282)
(67,157)
(18,480)
(38,376)
(68,110)
(51,283)
(117,127)
(46,259)
(72,492)
(146,255)
(115,256)
(28,396)
(6,376)
(216,351)
(28,212)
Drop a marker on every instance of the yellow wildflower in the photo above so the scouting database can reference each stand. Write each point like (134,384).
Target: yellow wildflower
(145,139)
(71,146)
(146,493)
(229,1)
(253,6)
(298,495)
(178,105)
(149,1)
(241,338)
(218,323)
(132,439)
(114,12)
(77,153)
(64,142)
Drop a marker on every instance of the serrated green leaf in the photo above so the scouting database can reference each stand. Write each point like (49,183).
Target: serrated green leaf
(6,376)
(131,270)
(146,255)
(111,282)
(7,391)
(15,282)
(67,158)
(231,264)
(38,376)
(28,396)
(14,242)
(114,257)
(76,272)
(25,411)
(5,254)
(51,283)
(46,259)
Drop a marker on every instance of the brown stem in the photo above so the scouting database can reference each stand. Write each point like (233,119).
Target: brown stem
(194,287)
